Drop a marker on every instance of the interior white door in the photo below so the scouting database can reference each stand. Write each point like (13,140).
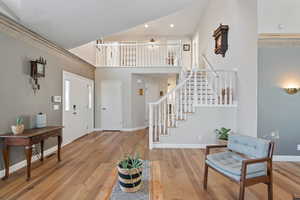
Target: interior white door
(111,105)
(78,115)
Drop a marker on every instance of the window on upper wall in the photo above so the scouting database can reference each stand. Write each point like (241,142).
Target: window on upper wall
(67,94)
(90,90)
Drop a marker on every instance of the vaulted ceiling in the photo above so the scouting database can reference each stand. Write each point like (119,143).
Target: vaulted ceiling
(71,23)
(185,23)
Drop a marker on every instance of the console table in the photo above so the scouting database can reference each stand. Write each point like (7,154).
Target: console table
(27,139)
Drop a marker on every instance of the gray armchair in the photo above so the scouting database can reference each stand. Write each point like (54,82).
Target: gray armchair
(247,160)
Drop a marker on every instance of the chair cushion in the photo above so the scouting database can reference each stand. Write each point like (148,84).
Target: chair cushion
(230,164)
(250,146)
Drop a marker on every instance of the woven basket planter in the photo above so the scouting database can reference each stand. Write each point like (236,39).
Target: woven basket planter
(130,180)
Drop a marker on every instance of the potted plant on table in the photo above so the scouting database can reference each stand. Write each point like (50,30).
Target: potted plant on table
(130,170)
(19,127)
(223,134)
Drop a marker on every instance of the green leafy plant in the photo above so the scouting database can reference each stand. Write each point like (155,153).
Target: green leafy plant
(19,121)
(223,133)
(131,162)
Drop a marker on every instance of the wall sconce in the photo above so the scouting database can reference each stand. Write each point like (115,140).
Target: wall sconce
(291,91)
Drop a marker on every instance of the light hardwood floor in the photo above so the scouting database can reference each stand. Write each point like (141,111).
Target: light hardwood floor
(87,172)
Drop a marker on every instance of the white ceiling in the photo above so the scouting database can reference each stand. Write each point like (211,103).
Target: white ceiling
(280,16)
(71,23)
(185,23)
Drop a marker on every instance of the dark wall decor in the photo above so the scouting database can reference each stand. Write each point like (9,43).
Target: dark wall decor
(221,39)
(37,71)
(186,47)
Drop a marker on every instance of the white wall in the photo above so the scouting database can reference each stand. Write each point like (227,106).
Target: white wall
(153,86)
(138,101)
(133,105)
(87,52)
(199,127)
(271,13)
(241,16)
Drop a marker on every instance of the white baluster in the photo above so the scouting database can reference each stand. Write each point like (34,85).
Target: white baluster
(185,101)
(201,87)
(129,55)
(230,88)
(195,88)
(165,116)
(155,122)
(221,88)
(151,135)
(225,88)
(176,106)
(168,114)
(215,91)
(210,88)
(159,118)
(174,109)
(206,89)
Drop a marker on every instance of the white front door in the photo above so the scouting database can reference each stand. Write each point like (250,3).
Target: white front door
(78,114)
(111,105)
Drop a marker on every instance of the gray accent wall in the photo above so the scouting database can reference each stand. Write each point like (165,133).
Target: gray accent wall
(277,110)
(16,94)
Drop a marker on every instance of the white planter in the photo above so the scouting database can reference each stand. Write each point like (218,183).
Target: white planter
(17,129)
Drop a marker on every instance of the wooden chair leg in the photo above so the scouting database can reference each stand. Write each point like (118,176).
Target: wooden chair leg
(205,176)
(242,191)
(270,191)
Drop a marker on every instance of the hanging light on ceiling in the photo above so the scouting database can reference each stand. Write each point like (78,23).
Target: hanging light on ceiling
(152,43)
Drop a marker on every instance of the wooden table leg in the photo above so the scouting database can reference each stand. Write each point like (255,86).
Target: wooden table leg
(6,160)
(42,150)
(28,153)
(59,141)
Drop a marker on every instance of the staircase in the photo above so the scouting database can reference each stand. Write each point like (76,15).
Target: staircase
(197,88)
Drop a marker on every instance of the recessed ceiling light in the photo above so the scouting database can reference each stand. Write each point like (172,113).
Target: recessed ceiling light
(146,25)
(172,25)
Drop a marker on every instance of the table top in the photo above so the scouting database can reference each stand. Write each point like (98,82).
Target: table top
(28,133)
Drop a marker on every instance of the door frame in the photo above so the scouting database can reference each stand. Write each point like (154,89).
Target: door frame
(66,74)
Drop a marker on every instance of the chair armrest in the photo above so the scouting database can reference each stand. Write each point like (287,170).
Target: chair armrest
(258,160)
(208,147)
(245,163)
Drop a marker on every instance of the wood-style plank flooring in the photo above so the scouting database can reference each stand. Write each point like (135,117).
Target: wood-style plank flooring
(87,172)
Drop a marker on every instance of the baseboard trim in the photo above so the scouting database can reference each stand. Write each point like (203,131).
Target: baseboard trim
(133,129)
(179,146)
(280,158)
(123,129)
(23,163)
(98,129)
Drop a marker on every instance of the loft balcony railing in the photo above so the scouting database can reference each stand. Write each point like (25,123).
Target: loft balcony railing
(133,54)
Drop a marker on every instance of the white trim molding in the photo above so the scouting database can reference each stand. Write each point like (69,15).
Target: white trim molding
(22,164)
(134,129)
(98,129)
(178,146)
(280,158)
(123,129)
